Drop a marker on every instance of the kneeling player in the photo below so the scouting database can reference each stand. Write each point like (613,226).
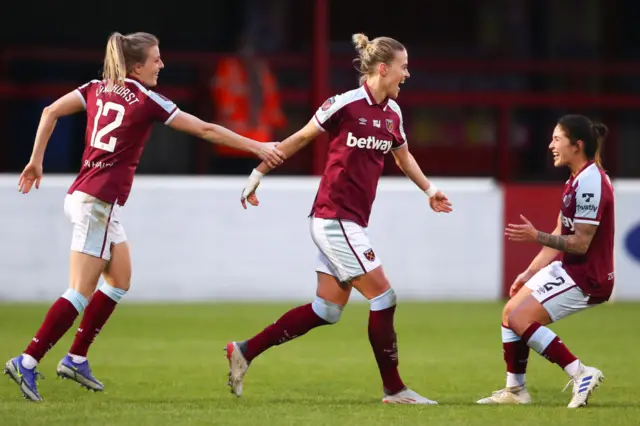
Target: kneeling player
(547,292)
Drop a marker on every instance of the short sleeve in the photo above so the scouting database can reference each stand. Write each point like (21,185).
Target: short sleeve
(589,199)
(399,137)
(161,108)
(329,112)
(83,91)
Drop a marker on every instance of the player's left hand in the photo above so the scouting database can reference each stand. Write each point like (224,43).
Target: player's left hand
(524,232)
(251,197)
(270,154)
(31,174)
(440,203)
(249,191)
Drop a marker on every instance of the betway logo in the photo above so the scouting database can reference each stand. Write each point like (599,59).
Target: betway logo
(368,143)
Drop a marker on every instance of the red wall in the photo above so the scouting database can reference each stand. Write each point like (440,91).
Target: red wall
(540,203)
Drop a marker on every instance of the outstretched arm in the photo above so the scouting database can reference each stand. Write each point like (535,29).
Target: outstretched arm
(187,123)
(288,147)
(293,144)
(410,167)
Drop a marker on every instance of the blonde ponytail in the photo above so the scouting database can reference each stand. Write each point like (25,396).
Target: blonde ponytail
(114,69)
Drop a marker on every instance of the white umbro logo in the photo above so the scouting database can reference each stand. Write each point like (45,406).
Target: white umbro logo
(363,121)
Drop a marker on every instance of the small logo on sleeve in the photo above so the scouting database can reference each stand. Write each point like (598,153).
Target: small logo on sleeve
(369,255)
(327,104)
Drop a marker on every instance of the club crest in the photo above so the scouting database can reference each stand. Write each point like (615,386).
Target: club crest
(369,255)
(389,125)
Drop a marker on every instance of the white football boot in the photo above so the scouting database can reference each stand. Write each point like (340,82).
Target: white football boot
(588,381)
(238,367)
(511,395)
(407,396)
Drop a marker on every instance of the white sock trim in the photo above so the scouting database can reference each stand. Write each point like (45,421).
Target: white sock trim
(383,301)
(77,358)
(574,369)
(328,311)
(113,293)
(541,339)
(77,300)
(28,361)
(509,336)
(514,380)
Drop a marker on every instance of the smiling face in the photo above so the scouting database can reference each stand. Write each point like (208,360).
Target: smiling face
(564,152)
(148,71)
(395,73)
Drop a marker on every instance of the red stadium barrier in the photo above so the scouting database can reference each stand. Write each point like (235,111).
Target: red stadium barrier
(498,160)
(538,203)
(343,61)
(175,93)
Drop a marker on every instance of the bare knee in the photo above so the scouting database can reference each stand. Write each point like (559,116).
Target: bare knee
(117,279)
(512,317)
(372,284)
(519,320)
(117,272)
(84,273)
(506,311)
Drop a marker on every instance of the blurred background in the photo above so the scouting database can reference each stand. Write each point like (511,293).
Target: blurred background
(489,77)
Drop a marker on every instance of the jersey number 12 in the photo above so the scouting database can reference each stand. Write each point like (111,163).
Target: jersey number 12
(96,136)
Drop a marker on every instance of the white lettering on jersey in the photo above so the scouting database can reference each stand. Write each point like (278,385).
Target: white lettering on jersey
(369,143)
(567,223)
(588,194)
(122,91)
(97,164)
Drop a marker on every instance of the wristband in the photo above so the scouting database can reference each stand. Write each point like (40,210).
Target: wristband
(256,175)
(252,183)
(431,191)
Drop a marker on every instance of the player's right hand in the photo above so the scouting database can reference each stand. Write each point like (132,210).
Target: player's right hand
(31,174)
(270,154)
(519,282)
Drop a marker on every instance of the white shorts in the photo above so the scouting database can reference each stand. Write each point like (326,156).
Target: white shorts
(344,248)
(96,224)
(557,292)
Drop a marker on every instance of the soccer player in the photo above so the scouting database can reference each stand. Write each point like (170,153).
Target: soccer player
(550,290)
(363,125)
(121,110)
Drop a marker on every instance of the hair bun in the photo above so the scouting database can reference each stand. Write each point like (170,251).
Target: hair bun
(360,41)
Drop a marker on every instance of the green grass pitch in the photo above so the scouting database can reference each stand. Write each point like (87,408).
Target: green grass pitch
(164,365)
